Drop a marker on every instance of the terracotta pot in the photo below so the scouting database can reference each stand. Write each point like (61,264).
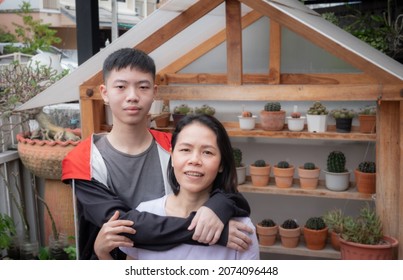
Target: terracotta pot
(308,178)
(283,176)
(366,182)
(367,123)
(260,175)
(335,240)
(272,121)
(290,237)
(267,235)
(315,239)
(162,120)
(356,251)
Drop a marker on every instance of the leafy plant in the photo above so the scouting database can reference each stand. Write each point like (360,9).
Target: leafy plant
(260,163)
(309,166)
(318,109)
(334,219)
(7,231)
(272,106)
(289,224)
(343,113)
(283,164)
(336,162)
(367,167)
(237,156)
(315,223)
(267,223)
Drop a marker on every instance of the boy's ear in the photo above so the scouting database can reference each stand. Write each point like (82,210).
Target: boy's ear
(102,90)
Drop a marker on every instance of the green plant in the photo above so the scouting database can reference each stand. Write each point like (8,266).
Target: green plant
(336,162)
(260,163)
(237,156)
(343,113)
(205,109)
(317,109)
(315,223)
(283,164)
(367,167)
(334,219)
(364,229)
(289,224)
(7,231)
(183,109)
(368,110)
(309,166)
(272,106)
(267,223)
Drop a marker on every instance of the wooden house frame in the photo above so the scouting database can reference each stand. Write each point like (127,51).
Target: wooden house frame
(381,79)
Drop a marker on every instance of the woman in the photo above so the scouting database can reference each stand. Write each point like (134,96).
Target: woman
(201,162)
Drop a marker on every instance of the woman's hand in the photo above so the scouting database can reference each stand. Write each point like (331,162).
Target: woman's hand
(207,225)
(237,238)
(109,236)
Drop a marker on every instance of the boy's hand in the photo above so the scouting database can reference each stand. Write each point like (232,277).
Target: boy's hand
(207,225)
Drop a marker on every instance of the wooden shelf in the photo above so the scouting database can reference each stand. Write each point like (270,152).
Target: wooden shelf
(328,252)
(320,191)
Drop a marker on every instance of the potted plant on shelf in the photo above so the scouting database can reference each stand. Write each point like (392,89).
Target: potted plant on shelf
(308,176)
(334,220)
(337,177)
(267,231)
(272,118)
(362,238)
(316,117)
(205,109)
(180,111)
(162,120)
(240,167)
(365,177)
(344,119)
(290,233)
(295,122)
(247,120)
(367,119)
(315,233)
(283,174)
(260,173)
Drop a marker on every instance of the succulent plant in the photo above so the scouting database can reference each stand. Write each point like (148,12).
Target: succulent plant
(368,110)
(315,223)
(183,109)
(283,164)
(309,166)
(205,109)
(343,113)
(317,109)
(367,167)
(272,106)
(295,115)
(246,114)
(334,219)
(237,156)
(260,163)
(289,224)
(267,223)
(336,162)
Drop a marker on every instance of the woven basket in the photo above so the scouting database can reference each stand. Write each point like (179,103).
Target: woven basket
(44,158)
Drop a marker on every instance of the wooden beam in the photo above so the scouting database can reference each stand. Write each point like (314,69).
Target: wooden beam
(206,46)
(274,53)
(400,199)
(345,92)
(234,42)
(321,40)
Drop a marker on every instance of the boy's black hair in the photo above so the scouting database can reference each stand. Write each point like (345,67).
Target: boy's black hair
(128,57)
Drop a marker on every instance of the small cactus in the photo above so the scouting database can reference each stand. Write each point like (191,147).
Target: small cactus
(183,109)
(309,166)
(295,115)
(272,106)
(317,109)
(246,114)
(237,156)
(267,223)
(289,224)
(205,109)
(336,162)
(367,167)
(283,164)
(316,223)
(260,163)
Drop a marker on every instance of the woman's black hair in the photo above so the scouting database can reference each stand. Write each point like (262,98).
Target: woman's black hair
(225,180)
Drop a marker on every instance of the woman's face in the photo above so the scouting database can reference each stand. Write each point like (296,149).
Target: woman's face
(196,158)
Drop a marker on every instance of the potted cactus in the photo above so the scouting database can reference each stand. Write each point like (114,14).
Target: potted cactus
(337,177)
(367,119)
(181,111)
(247,120)
(344,119)
(315,233)
(205,109)
(308,175)
(240,167)
(267,231)
(317,117)
(290,233)
(272,118)
(365,177)
(260,173)
(283,174)
(295,122)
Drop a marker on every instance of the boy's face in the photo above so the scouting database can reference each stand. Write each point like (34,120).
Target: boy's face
(130,94)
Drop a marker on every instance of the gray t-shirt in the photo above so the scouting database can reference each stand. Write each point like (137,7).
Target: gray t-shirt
(134,178)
